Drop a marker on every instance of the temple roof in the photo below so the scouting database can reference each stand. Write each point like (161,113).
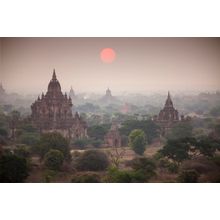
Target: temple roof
(54,85)
(169,102)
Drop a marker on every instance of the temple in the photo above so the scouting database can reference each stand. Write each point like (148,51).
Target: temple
(53,112)
(113,138)
(108,98)
(167,117)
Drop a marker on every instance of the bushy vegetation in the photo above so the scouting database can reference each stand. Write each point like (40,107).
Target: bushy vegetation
(54,159)
(13,169)
(137,141)
(88,177)
(92,160)
(115,175)
(188,176)
(150,129)
(53,141)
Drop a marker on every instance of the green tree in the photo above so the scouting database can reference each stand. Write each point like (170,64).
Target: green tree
(54,159)
(176,150)
(92,160)
(150,129)
(188,176)
(98,132)
(144,165)
(88,177)
(114,175)
(80,143)
(13,169)
(137,141)
(53,141)
(181,130)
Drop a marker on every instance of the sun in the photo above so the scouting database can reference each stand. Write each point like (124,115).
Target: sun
(107,55)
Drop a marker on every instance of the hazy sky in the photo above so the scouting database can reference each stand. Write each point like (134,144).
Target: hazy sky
(141,64)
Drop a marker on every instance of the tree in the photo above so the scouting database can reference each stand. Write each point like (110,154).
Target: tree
(23,151)
(181,130)
(88,177)
(115,175)
(144,165)
(54,159)
(176,150)
(137,141)
(92,160)
(188,176)
(150,129)
(98,132)
(116,154)
(53,141)
(207,146)
(80,143)
(13,169)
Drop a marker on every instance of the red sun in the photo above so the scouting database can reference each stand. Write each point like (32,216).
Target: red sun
(107,55)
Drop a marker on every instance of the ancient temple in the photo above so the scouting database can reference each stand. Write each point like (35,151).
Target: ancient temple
(108,98)
(113,138)
(167,117)
(53,112)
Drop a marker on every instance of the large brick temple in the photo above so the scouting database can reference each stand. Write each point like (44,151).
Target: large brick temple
(53,112)
(168,116)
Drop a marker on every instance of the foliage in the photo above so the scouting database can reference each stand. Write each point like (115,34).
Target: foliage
(13,169)
(188,176)
(80,143)
(23,151)
(98,132)
(144,165)
(181,130)
(54,141)
(92,160)
(207,146)
(29,138)
(115,175)
(96,143)
(116,154)
(88,177)
(176,150)
(54,159)
(172,167)
(150,129)
(3,132)
(137,141)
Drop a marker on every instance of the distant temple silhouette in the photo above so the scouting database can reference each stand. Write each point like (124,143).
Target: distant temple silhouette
(168,116)
(52,112)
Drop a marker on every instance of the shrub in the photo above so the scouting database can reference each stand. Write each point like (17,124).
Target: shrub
(144,165)
(96,143)
(80,143)
(54,159)
(137,141)
(53,141)
(92,160)
(188,176)
(172,167)
(23,151)
(121,176)
(13,169)
(88,177)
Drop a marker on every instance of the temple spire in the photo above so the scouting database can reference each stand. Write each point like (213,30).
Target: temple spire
(54,75)
(169,102)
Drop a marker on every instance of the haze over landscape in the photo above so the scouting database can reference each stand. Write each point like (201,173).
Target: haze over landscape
(141,64)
